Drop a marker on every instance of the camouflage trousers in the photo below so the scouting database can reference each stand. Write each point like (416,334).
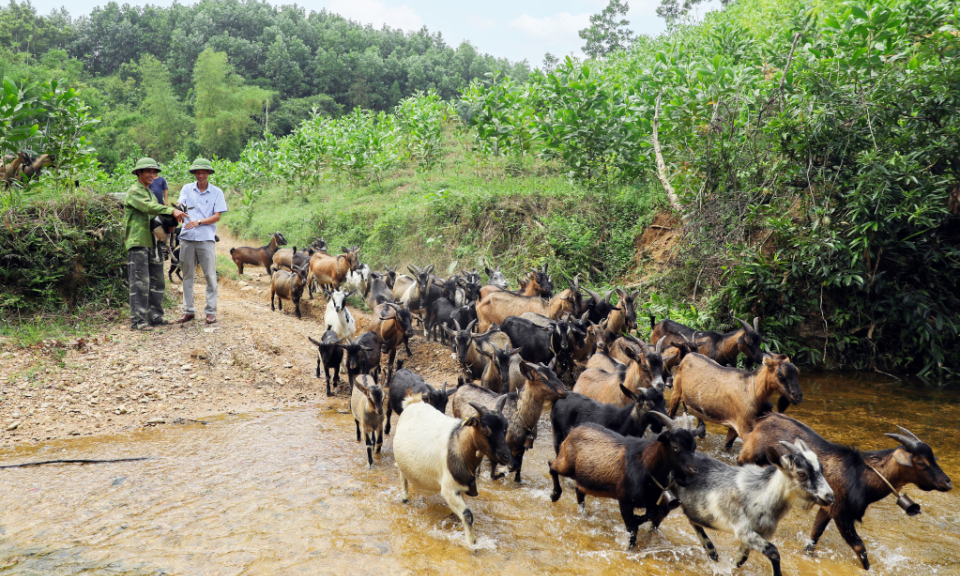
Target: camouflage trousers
(145,272)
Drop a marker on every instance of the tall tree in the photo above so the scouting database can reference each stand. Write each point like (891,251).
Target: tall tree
(224,105)
(166,125)
(608,31)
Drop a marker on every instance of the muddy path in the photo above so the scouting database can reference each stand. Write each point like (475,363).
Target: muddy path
(251,359)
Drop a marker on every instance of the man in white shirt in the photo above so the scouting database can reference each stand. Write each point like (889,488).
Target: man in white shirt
(205,204)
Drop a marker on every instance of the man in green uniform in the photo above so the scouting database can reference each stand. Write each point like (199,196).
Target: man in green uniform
(144,267)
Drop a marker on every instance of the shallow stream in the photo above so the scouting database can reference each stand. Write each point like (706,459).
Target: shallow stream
(288,492)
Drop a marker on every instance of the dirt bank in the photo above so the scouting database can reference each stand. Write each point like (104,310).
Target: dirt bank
(251,359)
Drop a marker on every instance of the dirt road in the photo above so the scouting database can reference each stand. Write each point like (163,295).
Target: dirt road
(251,359)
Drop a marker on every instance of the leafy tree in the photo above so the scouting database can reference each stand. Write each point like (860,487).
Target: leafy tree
(607,33)
(224,106)
(671,10)
(290,113)
(165,126)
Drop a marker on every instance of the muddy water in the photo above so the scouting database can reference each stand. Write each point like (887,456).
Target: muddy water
(288,492)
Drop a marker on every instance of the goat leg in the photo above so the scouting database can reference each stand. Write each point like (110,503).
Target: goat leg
(357,422)
(850,536)
(707,544)
(519,460)
(731,436)
(630,520)
(557,489)
(581,501)
(819,525)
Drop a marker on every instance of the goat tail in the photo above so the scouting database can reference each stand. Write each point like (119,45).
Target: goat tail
(232,250)
(399,364)
(653,321)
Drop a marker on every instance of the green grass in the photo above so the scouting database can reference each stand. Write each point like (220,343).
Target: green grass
(515,214)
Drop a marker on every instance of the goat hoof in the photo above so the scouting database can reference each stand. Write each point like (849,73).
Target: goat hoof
(555,496)
(714,556)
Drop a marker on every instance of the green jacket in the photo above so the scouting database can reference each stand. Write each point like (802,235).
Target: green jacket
(139,206)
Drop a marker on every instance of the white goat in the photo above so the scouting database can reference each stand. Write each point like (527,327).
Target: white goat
(357,279)
(749,501)
(366,404)
(438,453)
(337,317)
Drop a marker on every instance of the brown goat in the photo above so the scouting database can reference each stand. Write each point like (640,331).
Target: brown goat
(288,286)
(852,474)
(498,306)
(262,256)
(286,257)
(723,348)
(330,271)
(521,409)
(11,164)
(34,166)
(623,317)
(604,386)
(729,396)
(529,287)
(394,325)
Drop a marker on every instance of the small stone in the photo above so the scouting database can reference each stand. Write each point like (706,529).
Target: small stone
(210,330)
(242,283)
(156,421)
(187,367)
(288,365)
(13,427)
(246,288)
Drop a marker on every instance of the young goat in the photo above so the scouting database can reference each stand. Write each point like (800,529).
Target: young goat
(729,396)
(749,501)
(330,356)
(629,470)
(289,286)
(357,280)
(496,374)
(853,475)
(405,383)
(521,409)
(366,404)
(438,453)
(337,317)
(262,256)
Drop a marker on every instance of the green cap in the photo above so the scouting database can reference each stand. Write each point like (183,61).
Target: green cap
(201,164)
(145,163)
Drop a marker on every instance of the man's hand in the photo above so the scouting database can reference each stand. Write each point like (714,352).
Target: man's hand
(191,224)
(180,216)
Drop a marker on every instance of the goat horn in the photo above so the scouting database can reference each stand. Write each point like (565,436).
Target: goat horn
(909,433)
(444,389)
(457,324)
(659,347)
(756,323)
(594,295)
(670,425)
(745,325)
(470,325)
(908,442)
(481,410)
(790,447)
(607,297)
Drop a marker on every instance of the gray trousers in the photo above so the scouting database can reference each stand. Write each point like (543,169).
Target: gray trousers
(204,254)
(145,273)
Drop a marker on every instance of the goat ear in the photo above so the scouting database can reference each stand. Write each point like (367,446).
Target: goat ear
(629,394)
(471,421)
(528,370)
(361,387)
(773,456)
(902,457)
(310,338)
(349,294)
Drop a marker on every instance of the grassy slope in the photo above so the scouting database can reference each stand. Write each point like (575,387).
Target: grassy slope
(514,214)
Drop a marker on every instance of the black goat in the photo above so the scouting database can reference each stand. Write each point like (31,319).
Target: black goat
(330,356)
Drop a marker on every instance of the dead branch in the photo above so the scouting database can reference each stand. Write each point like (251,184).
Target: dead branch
(661,166)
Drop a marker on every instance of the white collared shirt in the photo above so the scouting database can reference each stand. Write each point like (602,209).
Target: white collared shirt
(202,205)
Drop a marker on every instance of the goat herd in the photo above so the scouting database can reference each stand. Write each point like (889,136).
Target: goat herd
(520,346)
